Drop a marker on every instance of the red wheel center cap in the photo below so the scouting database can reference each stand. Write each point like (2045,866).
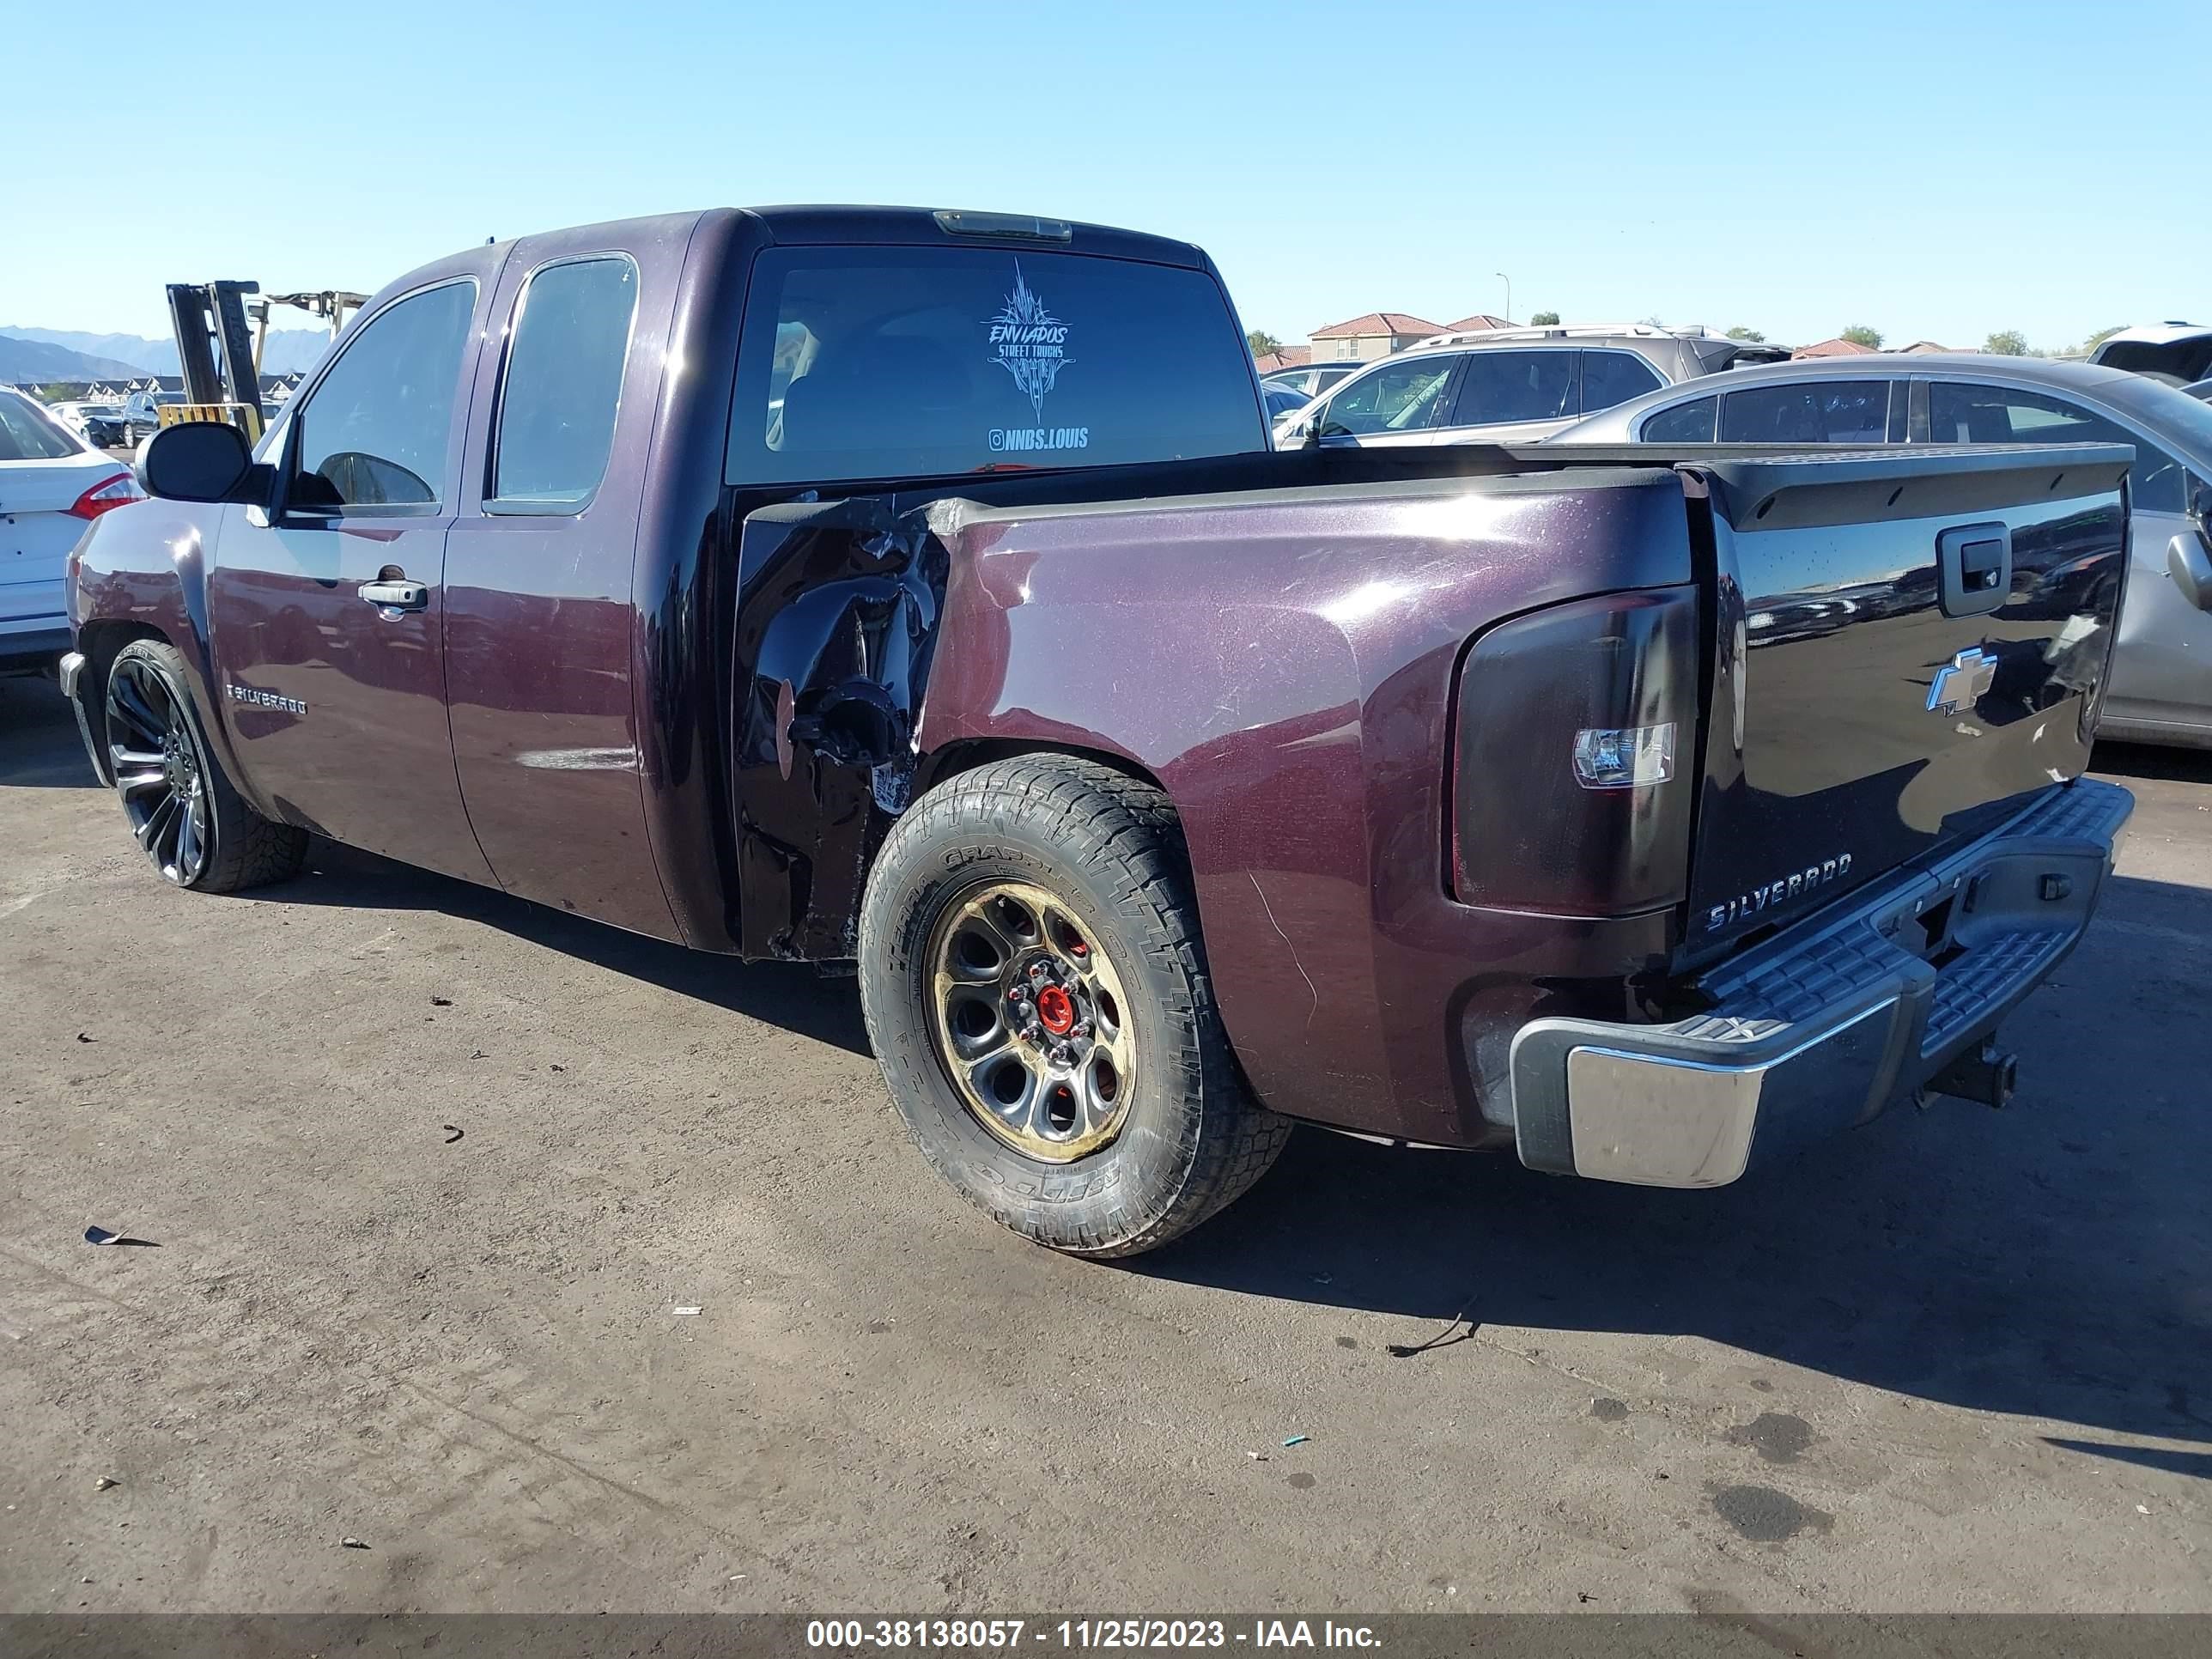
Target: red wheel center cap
(1055,1010)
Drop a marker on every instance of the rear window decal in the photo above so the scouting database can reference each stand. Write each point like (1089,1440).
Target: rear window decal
(1029,342)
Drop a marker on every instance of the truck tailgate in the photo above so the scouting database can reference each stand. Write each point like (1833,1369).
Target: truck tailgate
(1908,646)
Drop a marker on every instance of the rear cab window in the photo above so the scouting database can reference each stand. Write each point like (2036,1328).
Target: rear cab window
(904,362)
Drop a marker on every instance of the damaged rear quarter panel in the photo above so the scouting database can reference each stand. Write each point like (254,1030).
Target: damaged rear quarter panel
(1280,662)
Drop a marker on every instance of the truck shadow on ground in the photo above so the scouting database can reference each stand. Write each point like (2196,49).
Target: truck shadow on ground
(795,996)
(39,748)
(2049,1260)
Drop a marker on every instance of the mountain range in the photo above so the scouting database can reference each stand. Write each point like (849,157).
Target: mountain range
(31,354)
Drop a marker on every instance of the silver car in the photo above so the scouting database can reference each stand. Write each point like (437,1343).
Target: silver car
(1508,385)
(1309,380)
(2161,682)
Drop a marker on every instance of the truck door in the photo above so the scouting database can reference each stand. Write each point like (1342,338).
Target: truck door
(539,623)
(326,618)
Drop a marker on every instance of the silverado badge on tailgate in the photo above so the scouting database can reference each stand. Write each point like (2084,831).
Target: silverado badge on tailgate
(1777,891)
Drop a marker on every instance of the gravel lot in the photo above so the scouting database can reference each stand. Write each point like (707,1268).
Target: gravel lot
(1955,1361)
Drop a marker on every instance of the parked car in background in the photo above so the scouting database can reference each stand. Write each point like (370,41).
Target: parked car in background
(142,414)
(1513,385)
(2161,682)
(52,483)
(1311,379)
(100,424)
(2181,351)
(1281,401)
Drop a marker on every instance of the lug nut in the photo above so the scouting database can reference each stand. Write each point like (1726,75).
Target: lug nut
(1081,1028)
(1063,1055)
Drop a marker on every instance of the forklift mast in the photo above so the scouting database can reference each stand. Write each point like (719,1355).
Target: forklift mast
(215,350)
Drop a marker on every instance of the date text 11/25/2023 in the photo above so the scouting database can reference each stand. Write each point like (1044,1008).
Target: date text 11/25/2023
(1011,1635)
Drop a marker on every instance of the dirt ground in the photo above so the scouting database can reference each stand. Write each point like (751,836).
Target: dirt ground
(1958,1360)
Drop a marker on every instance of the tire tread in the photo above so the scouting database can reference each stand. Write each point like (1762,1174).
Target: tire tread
(1125,830)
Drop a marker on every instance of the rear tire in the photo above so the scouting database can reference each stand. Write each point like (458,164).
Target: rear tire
(1095,861)
(180,806)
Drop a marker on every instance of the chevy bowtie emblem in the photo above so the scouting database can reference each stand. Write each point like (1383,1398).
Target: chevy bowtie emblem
(1962,681)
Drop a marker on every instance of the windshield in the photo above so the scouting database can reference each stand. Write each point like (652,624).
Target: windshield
(28,433)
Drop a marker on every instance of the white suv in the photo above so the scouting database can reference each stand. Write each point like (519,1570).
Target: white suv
(1509,385)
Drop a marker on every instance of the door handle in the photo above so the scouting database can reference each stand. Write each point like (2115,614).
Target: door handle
(1973,564)
(393,597)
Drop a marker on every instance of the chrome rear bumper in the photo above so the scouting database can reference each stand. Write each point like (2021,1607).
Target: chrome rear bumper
(1827,1023)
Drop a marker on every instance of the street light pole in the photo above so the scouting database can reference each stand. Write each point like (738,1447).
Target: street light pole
(1508,281)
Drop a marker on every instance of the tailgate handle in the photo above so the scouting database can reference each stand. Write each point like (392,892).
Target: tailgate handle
(1973,564)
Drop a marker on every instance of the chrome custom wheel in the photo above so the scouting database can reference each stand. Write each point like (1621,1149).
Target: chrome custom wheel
(181,808)
(1028,1017)
(160,770)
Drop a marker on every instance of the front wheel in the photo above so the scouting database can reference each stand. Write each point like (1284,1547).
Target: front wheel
(1036,988)
(181,808)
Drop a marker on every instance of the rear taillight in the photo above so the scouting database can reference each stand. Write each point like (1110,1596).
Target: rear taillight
(1573,758)
(105,496)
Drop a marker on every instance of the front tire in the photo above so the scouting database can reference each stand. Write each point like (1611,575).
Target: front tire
(1036,988)
(181,807)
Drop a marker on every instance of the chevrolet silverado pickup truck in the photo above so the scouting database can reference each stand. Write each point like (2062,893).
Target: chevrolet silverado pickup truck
(872,587)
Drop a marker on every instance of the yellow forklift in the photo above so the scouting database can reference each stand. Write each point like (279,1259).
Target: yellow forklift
(221,359)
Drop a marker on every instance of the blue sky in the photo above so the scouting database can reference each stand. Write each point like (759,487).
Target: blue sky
(1935,169)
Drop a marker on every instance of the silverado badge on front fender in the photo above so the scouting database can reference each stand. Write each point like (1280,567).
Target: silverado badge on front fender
(1780,890)
(259,699)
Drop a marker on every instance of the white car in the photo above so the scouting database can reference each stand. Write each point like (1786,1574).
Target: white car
(52,484)
(2177,353)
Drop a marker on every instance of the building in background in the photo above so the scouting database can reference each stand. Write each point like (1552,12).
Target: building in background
(1480,320)
(1836,348)
(1362,339)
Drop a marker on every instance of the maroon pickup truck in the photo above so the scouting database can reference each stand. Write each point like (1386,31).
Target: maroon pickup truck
(919,590)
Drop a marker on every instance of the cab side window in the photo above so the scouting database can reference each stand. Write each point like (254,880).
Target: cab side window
(563,386)
(1960,414)
(374,432)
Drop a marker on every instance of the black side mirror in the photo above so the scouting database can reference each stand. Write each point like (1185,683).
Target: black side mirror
(2200,508)
(196,461)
